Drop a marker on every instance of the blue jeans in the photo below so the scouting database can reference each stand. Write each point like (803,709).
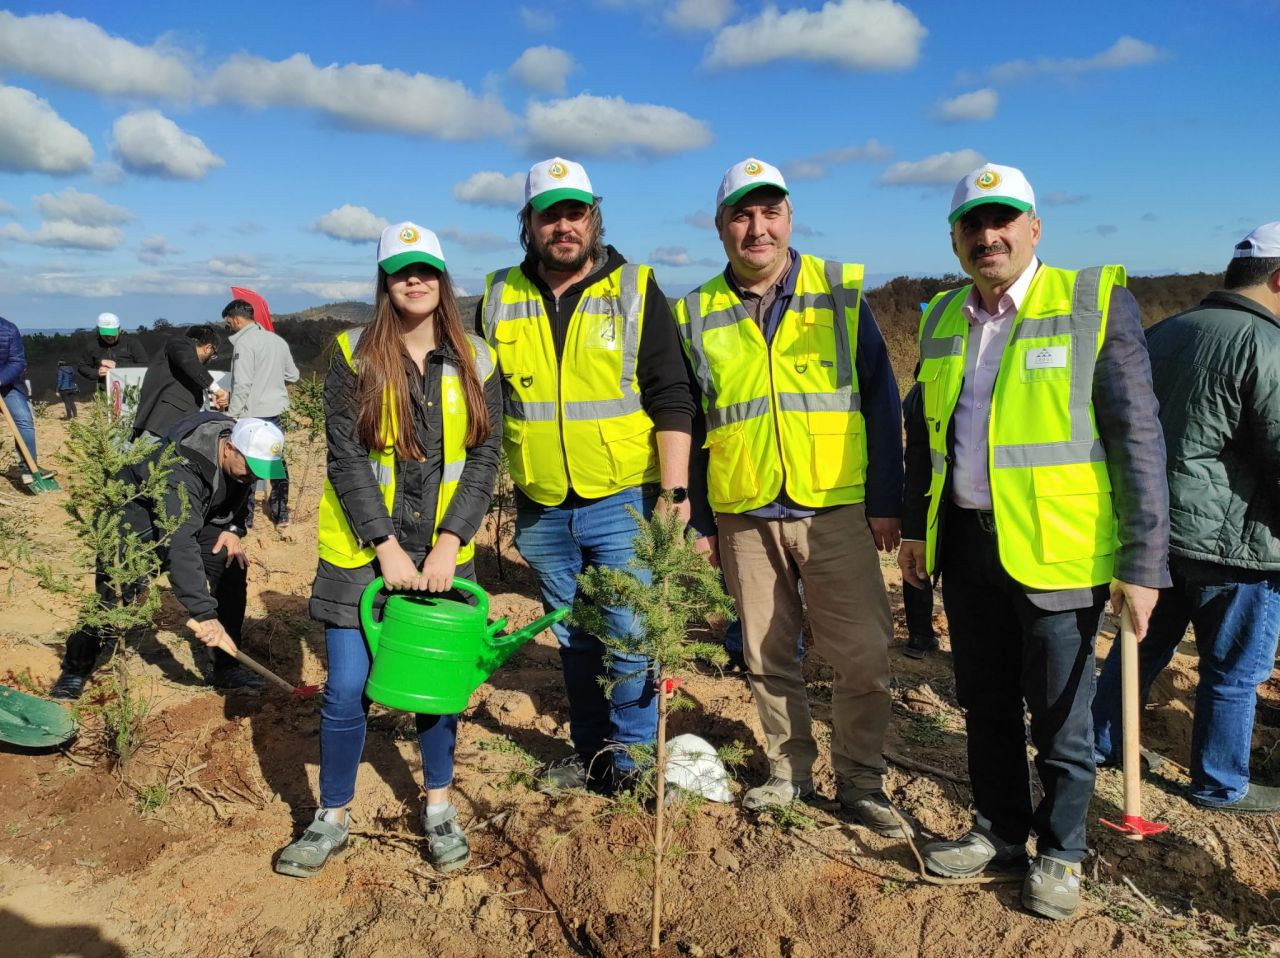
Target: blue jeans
(558,543)
(20,409)
(344,717)
(1236,614)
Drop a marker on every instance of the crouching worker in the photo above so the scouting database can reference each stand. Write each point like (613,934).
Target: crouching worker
(220,459)
(413,415)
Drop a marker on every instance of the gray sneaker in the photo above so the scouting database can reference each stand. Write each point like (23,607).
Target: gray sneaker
(447,847)
(873,810)
(775,793)
(1052,888)
(972,854)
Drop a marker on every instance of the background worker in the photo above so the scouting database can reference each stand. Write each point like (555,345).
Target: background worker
(177,381)
(219,461)
(597,418)
(67,387)
(114,347)
(805,477)
(1216,372)
(13,392)
(261,368)
(1032,514)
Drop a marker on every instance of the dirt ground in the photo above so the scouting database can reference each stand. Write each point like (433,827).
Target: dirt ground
(174,857)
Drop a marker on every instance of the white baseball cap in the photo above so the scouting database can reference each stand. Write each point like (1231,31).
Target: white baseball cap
(262,445)
(407,243)
(741,178)
(990,183)
(557,179)
(1262,243)
(108,324)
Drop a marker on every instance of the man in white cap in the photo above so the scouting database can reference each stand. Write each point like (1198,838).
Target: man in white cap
(598,414)
(1216,371)
(805,477)
(1035,486)
(114,347)
(219,462)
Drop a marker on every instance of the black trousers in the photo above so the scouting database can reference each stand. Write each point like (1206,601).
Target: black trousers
(1012,657)
(226,583)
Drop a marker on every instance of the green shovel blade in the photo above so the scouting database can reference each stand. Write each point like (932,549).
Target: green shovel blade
(33,722)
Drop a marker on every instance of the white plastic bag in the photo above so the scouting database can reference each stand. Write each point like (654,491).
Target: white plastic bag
(692,764)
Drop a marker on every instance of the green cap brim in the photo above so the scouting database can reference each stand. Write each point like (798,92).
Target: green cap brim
(1020,205)
(108,332)
(266,468)
(552,197)
(742,191)
(393,264)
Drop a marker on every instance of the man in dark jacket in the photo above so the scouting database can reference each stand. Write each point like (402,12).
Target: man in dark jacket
(1216,371)
(113,348)
(220,461)
(13,391)
(176,382)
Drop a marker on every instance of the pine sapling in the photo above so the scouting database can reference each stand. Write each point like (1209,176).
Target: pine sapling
(668,585)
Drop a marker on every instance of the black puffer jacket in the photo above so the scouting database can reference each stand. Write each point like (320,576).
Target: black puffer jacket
(1216,372)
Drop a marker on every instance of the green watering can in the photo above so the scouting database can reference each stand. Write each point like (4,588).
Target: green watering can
(430,653)
(31,722)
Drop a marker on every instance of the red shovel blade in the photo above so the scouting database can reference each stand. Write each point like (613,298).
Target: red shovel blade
(306,691)
(1136,827)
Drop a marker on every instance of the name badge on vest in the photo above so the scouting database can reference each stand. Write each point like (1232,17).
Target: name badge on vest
(1047,357)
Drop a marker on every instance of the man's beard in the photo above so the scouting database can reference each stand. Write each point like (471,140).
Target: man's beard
(559,264)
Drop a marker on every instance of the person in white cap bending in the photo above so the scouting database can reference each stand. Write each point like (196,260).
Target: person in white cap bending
(598,414)
(114,347)
(219,462)
(805,475)
(1035,486)
(1216,370)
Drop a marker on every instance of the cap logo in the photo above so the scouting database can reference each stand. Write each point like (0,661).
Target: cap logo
(408,235)
(989,180)
(752,168)
(557,171)
(277,448)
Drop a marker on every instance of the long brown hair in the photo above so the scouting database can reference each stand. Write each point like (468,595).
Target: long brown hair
(381,356)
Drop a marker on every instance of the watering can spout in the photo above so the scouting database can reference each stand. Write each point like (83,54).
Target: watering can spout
(503,647)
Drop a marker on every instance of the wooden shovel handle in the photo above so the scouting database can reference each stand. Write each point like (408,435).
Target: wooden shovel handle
(1130,717)
(22,446)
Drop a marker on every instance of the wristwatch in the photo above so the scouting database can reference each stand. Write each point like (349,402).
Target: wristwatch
(679,494)
(378,540)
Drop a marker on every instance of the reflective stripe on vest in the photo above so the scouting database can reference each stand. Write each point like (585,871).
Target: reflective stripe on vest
(787,411)
(338,543)
(1050,490)
(578,422)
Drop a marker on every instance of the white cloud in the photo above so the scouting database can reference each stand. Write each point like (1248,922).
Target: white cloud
(236,266)
(1106,229)
(941,169)
(537,21)
(490,188)
(543,69)
(63,234)
(338,291)
(155,248)
(670,256)
(480,242)
(1125,52)
(7,208)
(816,167)
(1063,198)
(81,54)
(855,34)
(364,96)
(698,14)
(701,219)
(596,126)
(85,209)
(351,224)
(978,105)
(34,139)
(151,144)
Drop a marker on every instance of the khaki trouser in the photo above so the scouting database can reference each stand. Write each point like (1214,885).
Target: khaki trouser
(834,555)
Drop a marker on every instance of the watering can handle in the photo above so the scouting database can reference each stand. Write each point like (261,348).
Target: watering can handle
(482,597)
(373,628)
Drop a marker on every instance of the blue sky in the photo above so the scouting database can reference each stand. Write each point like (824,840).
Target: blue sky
(153,154)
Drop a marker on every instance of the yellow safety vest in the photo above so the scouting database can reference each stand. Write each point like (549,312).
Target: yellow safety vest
(787,411)
(1050,491)
(338,543)
(577,422)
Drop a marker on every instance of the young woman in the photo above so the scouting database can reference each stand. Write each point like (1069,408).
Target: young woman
(413,417)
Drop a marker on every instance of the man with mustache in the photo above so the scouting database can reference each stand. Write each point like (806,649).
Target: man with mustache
(598,413)
(805,476)
(1035,485)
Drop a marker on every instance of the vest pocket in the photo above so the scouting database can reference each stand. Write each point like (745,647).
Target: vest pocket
(1074,515)
(731,475)
(836,444)
(631,446)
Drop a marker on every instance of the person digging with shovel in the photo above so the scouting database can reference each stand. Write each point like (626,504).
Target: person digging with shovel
(13,393)
(221,459)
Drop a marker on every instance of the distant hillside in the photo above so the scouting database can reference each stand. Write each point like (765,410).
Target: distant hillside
(311,331)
